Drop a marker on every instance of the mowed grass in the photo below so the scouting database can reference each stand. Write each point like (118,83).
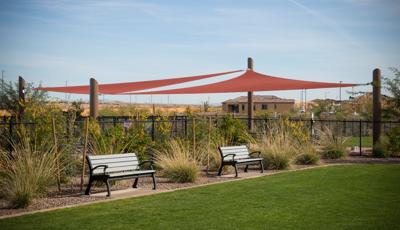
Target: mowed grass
(336,197)
(366,141)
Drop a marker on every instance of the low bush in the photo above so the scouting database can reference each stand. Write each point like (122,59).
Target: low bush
(118,140)
(380,150)
(333,146)
(309,155)
(177,161)
(27,172)
(393,138)
(234,130)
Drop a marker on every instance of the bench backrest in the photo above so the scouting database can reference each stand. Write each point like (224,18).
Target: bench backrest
(241,152)
(115,162)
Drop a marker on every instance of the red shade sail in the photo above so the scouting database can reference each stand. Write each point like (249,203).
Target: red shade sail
(118,88)
(248,82)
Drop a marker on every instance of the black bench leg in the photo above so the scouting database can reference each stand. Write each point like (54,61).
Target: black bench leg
(154,182)
(247,167)
(236,170)
(89,186)
(135,183)
(220,170)
(262,167)
(108,188)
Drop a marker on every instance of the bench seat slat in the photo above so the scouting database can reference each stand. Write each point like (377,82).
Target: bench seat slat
(115,169)
(122,155)
(119,164)
(109,160)
(248,160)
(128,173)
(233,147)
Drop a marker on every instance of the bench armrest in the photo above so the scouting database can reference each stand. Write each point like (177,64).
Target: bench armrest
(258,152)
(231,154)
(100,166)
(148,161)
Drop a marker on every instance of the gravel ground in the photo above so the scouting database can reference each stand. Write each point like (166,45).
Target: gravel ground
(70,193)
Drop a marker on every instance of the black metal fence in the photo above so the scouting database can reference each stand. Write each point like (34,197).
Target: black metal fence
(359,131)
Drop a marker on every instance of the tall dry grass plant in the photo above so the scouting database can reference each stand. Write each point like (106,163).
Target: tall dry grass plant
(178,161)
(27,172)
(308,155)
(333,146)
(279,145)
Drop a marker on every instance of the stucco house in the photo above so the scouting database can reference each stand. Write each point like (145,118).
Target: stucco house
(261,103)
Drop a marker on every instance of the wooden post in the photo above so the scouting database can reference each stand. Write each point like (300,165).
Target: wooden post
(250,98)
(84,151)
(360,136)
(209,143)
(21,97)
(56,153)
(94,98)
(377,107)
(194,135)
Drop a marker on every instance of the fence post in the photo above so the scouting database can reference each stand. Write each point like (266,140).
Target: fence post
(56,154)
(194,135)
(311,128)
(10,127)
(185,126)
(86,135)
(360,140)
(152,128)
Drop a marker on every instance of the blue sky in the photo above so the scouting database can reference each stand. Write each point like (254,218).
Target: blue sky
(117,41)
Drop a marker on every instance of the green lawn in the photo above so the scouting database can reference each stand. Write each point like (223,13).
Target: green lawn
(366,141)
(336,197)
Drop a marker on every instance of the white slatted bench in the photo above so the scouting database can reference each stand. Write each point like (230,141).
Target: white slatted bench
(236,155)
(117,167)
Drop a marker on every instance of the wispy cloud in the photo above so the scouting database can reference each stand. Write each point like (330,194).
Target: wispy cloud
(327,21)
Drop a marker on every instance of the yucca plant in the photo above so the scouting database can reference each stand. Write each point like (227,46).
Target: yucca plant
(28,171)
(178,162)
(333,146)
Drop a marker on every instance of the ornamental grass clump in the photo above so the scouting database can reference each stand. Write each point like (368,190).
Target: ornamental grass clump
(27,172)
(308,155)
(333,146)
(178,162)
(278,148)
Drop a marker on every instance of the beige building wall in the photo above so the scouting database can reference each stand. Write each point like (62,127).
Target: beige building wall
(271,107)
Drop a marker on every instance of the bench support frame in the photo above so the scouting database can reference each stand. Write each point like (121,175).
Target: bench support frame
(107,178)
(235,163)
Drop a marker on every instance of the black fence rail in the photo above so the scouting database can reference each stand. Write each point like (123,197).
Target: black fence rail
(359,131)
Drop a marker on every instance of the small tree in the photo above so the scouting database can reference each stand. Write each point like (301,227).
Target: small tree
(393,87)
(9,100)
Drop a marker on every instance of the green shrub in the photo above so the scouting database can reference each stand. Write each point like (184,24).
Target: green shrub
(234,131)
(117,140)
(381,149)
(394,141)
(27,173)
(177,161)
(309,155)
(333,146)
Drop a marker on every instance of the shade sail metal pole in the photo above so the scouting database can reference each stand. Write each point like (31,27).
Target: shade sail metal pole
(377,107)
(250,99)
(94,98)
(21,97)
